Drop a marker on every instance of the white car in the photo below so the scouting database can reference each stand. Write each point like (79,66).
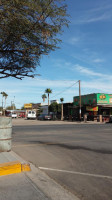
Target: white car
(31,114)
(13,115)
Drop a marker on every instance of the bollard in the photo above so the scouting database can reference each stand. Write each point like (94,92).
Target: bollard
(5,134)
(85,118)
(100,118)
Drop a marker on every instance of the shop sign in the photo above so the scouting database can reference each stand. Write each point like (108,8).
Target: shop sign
(90,108)
(93,99)
(28,105)
(110,100)
(104,98)
(85,100)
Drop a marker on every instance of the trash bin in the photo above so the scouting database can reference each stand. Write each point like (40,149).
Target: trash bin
(5,133)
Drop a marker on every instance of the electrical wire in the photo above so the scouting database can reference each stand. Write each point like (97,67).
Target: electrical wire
(64,90)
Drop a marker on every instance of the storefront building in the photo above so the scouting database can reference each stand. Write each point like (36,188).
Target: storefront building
(94,105)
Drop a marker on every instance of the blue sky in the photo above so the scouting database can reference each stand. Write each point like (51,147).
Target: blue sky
(85,54)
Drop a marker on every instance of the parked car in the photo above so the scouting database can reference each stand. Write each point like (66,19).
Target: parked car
(44,117)
(31,114)
(13,115)
(21,115)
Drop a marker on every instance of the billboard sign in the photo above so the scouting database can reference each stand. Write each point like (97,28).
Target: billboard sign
(28,105)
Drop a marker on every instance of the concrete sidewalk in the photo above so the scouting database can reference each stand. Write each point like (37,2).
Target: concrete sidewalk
(10,163)
(25,181)
(19,187)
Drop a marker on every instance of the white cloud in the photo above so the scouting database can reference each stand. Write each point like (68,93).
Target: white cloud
(98,12)
(31,90)
(36,85)
(73,40)
(97,86)
(90,19)
(87,71)
(60,89)
(90,72)
(98,60)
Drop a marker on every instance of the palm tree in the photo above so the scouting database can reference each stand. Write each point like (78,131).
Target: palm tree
(44,97)
(61,99)
(4,95)
(48,91)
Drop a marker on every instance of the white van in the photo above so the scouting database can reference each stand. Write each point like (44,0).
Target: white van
(31,114)
(12,114)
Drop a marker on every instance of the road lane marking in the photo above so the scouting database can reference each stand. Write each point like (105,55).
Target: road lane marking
(77,173)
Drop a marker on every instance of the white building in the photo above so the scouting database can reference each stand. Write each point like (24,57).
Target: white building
(44,108)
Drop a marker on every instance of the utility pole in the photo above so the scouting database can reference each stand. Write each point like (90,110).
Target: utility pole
(13,103)
(80,100)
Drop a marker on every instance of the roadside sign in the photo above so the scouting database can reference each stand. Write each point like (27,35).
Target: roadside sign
(28,105)
(90,108)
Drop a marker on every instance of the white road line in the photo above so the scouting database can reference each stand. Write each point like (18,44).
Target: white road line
(78,173)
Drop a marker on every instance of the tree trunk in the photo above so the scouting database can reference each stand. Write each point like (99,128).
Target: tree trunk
(48,103)
(62,112)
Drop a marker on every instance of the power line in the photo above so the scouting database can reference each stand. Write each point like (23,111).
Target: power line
(65,89)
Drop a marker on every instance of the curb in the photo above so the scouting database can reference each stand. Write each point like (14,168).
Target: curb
(13,168)
(52,189)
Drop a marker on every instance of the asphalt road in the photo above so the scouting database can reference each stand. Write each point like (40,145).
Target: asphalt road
(77,156)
